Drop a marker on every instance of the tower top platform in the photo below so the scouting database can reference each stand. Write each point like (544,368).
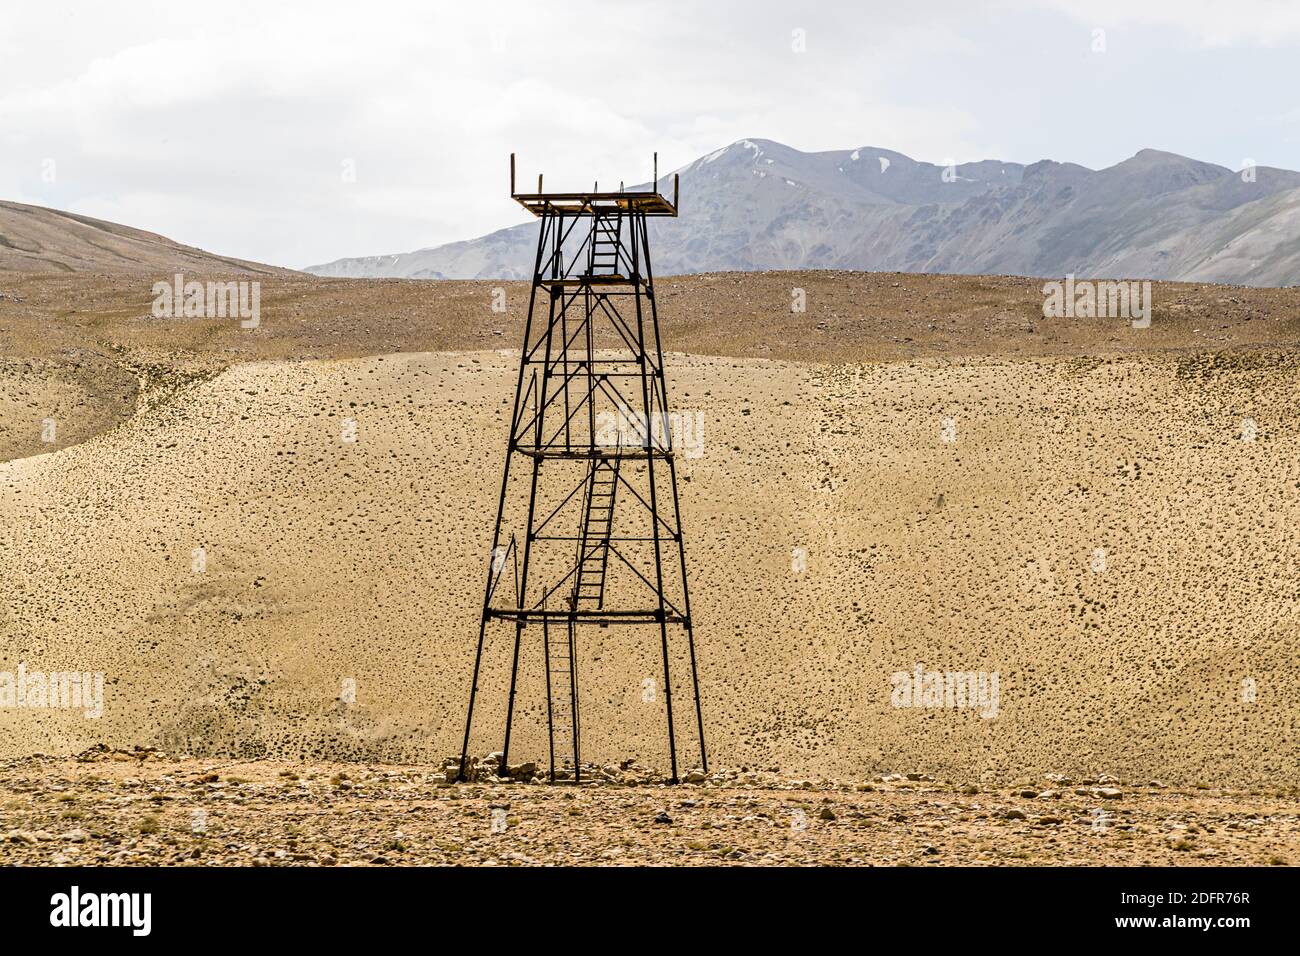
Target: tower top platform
(597,202)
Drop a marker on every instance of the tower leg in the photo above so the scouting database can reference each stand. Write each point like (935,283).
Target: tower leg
(528,552)
(573,701)
(550,719)
(473,692)
(668,699)
(695,685)
(651,424)
(690,630)
(510,704)
(644,247)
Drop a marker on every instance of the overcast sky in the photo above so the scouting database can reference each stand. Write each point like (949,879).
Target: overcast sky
(297,133)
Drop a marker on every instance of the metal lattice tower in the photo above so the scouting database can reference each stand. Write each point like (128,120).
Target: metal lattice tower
(588,528)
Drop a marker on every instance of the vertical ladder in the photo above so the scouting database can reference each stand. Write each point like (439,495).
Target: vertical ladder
(562,694)
(597,526)
(592,560)
(603,256)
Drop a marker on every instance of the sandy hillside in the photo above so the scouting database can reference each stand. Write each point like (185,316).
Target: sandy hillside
(1106,520)
(37,239)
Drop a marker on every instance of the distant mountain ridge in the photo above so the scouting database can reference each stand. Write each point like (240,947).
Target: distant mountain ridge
(759,205)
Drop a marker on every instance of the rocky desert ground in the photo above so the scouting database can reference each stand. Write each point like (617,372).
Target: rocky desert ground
(144,808)
(918,471)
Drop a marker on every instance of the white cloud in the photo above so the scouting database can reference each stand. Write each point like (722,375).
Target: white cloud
(226,123)
(1207,22)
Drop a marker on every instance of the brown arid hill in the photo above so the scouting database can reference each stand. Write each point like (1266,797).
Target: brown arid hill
(1113,530)
(36,239)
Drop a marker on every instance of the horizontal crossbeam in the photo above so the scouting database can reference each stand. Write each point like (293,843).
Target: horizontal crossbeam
(526,615)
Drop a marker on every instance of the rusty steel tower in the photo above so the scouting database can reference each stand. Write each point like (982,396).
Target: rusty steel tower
(588,530)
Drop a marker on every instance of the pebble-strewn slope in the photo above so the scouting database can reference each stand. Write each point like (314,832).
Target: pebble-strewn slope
(325,561)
